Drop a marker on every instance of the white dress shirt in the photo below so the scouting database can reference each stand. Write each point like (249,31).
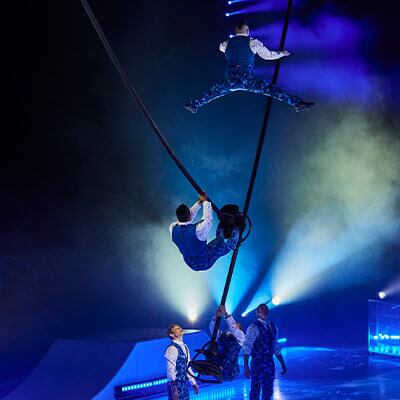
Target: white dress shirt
(256,47)
(204,226)
(252,333)
(237,333)
(171,355)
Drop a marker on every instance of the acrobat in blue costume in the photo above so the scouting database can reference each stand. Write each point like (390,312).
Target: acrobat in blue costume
(240,52)
(191,238)
(181,377)
(262,362)
(228,353)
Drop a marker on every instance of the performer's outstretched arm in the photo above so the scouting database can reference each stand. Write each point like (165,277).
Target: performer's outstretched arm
(194,210)
(222,46)
(257,47)
(204,226)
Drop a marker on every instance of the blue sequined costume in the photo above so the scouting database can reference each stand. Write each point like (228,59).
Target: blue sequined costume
(262,362)
(228,353)
(200,255)
(181,376)
(239,75)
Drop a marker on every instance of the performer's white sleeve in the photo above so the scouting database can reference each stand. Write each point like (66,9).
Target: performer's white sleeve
(204,226)
(251,335)
(171,227)
(191,379)
(212,324)
(237,333)
(222,46)
(257,47)
(171,355)
(194,209)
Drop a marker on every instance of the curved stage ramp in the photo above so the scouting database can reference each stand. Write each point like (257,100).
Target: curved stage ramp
(90,369)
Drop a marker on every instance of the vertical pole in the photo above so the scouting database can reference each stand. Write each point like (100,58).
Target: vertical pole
(254,172)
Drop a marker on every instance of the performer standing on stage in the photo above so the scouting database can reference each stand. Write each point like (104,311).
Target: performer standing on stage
(177,358)
(261,342)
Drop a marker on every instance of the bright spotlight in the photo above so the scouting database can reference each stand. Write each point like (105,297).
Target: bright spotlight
(192,315)
(244,314)
(276,301)
(229,3)
(227,14)
(381,294)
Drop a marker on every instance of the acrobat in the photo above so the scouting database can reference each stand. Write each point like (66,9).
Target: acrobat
(191,238)
(230,342)
(240,52)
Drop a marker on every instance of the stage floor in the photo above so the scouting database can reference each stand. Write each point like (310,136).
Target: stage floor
(321,374)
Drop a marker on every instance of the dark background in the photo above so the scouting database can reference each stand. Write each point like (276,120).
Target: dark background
(81,169)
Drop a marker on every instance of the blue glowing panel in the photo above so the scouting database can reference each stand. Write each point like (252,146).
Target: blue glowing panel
(383,328)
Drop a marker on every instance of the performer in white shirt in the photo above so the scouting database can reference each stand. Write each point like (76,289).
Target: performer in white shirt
(230,343)
(240,52)
(177,357)
(191,238)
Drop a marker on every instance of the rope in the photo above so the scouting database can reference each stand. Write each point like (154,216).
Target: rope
(253,176)
(136,97)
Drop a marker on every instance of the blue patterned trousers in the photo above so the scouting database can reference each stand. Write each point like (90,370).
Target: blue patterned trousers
(262,378)
(238,79)
(178,390)
(215,249)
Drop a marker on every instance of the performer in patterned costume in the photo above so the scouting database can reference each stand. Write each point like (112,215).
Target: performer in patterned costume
(191,239)
(240,52)
(177,357)
(261,342)
(230,343)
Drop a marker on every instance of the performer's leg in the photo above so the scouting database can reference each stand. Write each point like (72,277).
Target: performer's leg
(233,240)
(255,386)
(227,85)
(215,249)
(257,85)
(267,388)
(267,381)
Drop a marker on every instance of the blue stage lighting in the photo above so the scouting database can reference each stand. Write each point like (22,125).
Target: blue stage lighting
(244,314)
(282,340)
(384,328)
(140,389)
(227,14)
(381,294)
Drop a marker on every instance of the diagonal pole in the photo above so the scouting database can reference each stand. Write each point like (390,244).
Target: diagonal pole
(253,176)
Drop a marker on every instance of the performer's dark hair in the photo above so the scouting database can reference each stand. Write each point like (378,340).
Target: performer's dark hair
(263,307)
(183,213)
(240,24)
(169,330)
